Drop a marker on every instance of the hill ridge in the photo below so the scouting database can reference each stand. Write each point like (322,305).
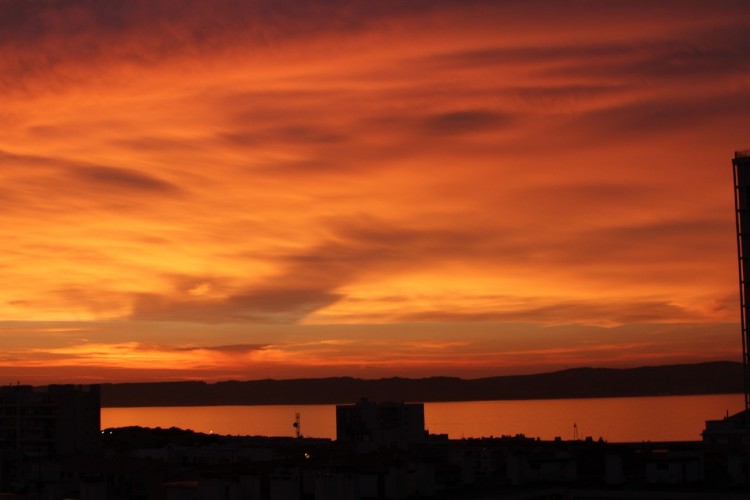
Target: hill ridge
(718,377)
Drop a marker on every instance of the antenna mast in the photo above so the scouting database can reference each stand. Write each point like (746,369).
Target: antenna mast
(297,425)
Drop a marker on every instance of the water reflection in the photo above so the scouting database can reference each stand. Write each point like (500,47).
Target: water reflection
(673,418)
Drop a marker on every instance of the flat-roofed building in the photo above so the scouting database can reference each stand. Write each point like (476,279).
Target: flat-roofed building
(381,423)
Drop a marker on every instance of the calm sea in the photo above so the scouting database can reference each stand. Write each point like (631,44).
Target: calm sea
(667,418)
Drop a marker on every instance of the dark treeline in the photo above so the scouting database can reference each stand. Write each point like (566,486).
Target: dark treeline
(721,377)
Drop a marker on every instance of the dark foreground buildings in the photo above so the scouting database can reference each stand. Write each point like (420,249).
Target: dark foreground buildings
(51,448)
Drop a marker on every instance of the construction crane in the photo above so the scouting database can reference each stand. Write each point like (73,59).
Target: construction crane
(741,164)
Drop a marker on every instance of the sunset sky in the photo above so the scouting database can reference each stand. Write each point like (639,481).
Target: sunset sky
(235,189)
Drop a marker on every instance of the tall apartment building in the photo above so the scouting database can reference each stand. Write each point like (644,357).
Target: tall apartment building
(52,420)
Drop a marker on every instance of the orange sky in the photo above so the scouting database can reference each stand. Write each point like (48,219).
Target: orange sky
(251,189)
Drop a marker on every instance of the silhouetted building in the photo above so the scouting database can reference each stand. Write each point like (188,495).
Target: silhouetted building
(725,449)
(53,420)
(728,432)
(380,424)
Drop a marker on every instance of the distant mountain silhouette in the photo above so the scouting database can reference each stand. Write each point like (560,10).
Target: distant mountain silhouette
(721,377)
